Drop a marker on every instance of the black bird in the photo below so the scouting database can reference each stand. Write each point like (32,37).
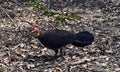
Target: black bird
(56,39)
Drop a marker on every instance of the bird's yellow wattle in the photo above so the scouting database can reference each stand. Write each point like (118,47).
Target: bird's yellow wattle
(38,34)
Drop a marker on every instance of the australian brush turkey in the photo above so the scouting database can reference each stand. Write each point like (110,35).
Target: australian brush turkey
(56,39)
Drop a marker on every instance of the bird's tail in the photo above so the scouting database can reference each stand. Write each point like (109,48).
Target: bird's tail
(83,39)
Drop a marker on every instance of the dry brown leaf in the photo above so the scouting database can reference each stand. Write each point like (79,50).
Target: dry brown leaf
(84,65)
(104,64)
(117,69)
(67,58)
(58,70)
(2,54)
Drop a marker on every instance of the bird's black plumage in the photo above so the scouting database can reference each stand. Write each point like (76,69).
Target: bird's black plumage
(83,39)
(56,39)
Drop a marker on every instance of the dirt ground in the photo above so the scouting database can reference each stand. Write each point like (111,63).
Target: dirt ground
(20,51)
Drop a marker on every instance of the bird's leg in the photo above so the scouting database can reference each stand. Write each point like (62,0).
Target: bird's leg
(61,52)
(56,51)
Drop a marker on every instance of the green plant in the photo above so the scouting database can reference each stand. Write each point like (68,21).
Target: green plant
(59,17)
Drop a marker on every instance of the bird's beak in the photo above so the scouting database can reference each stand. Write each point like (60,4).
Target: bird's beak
(34,34)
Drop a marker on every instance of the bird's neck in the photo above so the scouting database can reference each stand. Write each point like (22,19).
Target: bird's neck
(41,34)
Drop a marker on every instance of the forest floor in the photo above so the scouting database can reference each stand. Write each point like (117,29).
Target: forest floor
(20,51)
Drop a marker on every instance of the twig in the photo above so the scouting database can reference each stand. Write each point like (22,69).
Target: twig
(6,13)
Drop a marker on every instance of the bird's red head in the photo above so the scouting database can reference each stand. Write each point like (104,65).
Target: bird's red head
(37,31)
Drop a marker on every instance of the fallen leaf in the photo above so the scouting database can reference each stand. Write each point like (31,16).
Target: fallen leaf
(104,64)
(117,69)
(67,58)
(84,65)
